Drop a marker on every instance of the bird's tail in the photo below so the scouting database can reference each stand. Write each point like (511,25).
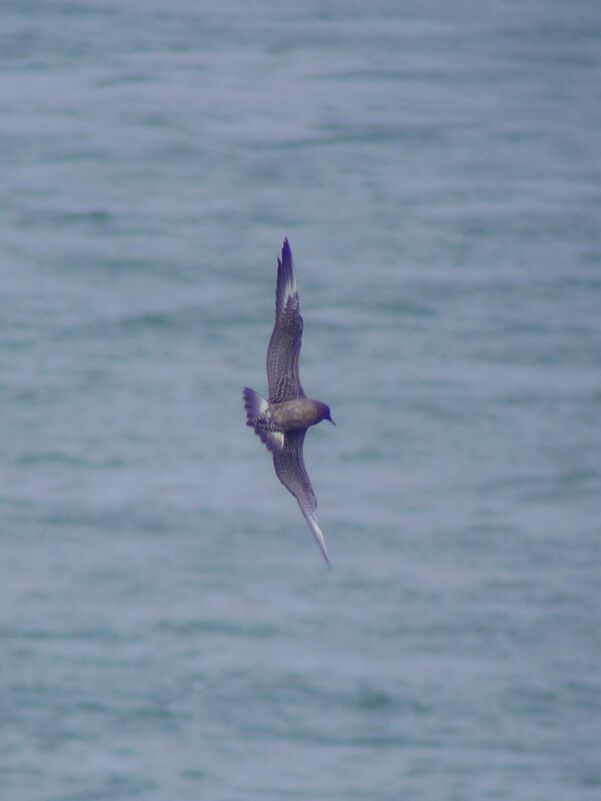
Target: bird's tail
(255,406)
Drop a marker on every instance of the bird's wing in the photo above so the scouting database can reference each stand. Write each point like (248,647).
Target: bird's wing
(285,343)
(290,469)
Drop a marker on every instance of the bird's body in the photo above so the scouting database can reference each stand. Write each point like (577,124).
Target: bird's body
(282,421)
(293,415)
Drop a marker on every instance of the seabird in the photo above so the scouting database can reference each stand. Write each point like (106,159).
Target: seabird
(282,421)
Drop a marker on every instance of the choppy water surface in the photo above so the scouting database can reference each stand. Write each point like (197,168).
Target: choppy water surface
(168,628)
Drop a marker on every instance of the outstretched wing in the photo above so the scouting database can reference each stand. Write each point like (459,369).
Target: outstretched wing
(290,469)
(285,343)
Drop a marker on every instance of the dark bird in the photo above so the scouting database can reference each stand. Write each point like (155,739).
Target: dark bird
(282,421)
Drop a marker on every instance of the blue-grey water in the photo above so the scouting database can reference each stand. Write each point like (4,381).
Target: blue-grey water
(168,628)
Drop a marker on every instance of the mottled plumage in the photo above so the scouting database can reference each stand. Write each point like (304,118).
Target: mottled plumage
(283,420)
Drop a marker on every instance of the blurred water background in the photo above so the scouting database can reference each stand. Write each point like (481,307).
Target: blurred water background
(168,628)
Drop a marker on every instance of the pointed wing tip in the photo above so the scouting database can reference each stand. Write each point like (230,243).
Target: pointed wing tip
(318,534)
(324,551)
(285,281)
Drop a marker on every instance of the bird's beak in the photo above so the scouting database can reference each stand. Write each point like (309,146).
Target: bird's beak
(331,421)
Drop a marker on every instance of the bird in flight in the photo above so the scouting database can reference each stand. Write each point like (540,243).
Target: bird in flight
(282,421)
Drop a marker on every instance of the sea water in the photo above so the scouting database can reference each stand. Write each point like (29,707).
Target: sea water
(168,627)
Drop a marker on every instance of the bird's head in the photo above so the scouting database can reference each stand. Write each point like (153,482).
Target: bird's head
(327,414)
